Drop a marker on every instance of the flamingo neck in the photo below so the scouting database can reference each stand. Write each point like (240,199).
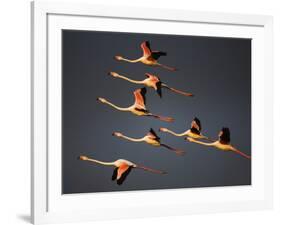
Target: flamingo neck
(133,139)
(130,80)
(131,60)
(116,107)
(176,134)
(204,143)
(101,162)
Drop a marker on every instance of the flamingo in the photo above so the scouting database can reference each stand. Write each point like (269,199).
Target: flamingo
(123,168)
(150,138)
(149,57)
(138,108)
(223,143)
(194,131)
(152,81)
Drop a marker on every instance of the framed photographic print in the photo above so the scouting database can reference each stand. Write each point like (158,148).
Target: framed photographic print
(135,115)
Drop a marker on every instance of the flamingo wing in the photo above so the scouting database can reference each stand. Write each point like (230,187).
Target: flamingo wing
(122,173)
(140,97)
(152,134)
(114,175)
(148,75)
(159,88)
(156,54)
(146,48)
(224,136)
(196,124)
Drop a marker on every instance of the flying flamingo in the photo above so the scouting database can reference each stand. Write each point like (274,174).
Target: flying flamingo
(123,168)
(193,132)
(150,138)
(152,81)
(138,108)
(222,144)
(149,57)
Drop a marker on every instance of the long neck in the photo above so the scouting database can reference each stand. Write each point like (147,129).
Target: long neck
(176,134)
(130,80)
(204,143)
(132,139)
(131,60)
(101,162)
(116,107)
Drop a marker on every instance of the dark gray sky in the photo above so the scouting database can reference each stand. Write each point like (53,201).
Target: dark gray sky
(216,70)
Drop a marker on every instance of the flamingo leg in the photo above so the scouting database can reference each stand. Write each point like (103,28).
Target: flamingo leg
(241,153)
(163,118)
(150,169)
(167,67)
(178,91)
(177,151)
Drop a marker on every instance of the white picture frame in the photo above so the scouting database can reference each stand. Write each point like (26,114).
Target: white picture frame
(47,206)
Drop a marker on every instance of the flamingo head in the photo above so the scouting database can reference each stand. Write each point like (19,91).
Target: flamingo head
(118,57)
(163,129)
(114,74)
(117,134)
(82,157)
(102,100)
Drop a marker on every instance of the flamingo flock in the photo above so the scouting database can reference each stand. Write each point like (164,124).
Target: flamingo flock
(193,135)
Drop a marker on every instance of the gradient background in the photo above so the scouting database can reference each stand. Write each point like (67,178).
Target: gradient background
(216,70)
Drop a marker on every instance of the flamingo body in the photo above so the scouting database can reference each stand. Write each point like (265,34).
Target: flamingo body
(149,57)
(193,132)
(122,168)
(223,143)
(150,138)
(152,81)
(138,108)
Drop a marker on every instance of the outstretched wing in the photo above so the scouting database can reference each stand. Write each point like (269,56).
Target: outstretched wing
(196,124)
(156,54)
(122,173)
(159,88)
(224,135)
(146,48)
(140,97)
(114,175)
(152,134)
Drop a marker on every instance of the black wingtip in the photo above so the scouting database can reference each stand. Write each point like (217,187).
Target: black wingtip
(143,91)
(225,135)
